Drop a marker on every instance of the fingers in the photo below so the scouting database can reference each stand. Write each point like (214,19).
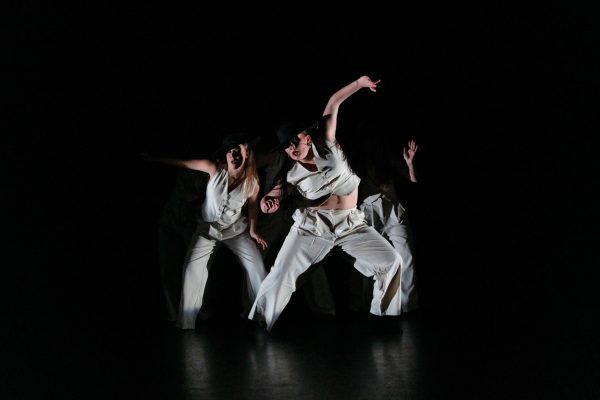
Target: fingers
(412,145)
(372,85)
(272,205)
(261,242)
(269,206)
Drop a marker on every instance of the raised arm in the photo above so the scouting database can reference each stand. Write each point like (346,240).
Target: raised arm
(331,109)
(207,166)
(252,219)
(409,154)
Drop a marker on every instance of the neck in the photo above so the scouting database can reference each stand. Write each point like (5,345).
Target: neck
(233,171)
(309,159)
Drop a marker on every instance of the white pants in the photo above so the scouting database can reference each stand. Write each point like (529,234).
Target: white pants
(315,287)
(311,238)
(391,221)
(195,272)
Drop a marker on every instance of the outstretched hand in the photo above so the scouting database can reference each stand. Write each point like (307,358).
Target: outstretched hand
(365,81)
(409,153)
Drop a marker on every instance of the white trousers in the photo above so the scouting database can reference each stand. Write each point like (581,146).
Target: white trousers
(311,238)
(392,222)
(315,287)
(195,272)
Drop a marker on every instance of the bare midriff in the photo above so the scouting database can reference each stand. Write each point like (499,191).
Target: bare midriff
(335,202)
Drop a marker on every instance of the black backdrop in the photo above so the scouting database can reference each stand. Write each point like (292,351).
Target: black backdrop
(501,100)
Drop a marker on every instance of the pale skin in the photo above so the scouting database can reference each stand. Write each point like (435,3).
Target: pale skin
(303,154)
(235,159)
(409,154)
(387,187)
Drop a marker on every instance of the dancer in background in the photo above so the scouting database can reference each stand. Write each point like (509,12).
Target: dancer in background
(176,227)
(385,212)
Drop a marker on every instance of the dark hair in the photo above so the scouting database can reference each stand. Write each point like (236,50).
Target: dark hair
(290,129)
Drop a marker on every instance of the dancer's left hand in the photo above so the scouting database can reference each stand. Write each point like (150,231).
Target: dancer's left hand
(262,243)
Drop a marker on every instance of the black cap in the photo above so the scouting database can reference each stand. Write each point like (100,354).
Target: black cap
(290,129)
(235,139)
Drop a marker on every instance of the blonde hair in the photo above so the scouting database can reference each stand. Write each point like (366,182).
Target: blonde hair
(250,172)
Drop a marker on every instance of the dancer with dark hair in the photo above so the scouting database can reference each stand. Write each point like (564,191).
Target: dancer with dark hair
(314,283)
(232,186)
(322,176)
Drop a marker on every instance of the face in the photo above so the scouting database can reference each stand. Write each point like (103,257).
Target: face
(299,147)
(236,157)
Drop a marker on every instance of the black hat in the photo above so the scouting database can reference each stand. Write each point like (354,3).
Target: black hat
(233,140)
(290,129)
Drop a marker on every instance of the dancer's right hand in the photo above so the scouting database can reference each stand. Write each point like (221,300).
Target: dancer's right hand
(269,205)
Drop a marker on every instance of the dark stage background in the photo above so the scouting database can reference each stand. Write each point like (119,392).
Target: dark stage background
(501,99)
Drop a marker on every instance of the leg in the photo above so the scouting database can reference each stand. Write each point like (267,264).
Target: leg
(250,259)
(298,252)
(359,285)
(194,280)
(398,231)
(316,290)
(375,257)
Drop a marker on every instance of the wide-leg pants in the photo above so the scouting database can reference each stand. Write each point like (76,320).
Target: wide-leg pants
(196,269)
(392,222)
(315,287)
(311,238)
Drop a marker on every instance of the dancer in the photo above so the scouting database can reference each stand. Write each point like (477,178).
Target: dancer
(274,227)
(385,212)
(321,174)
(233,184)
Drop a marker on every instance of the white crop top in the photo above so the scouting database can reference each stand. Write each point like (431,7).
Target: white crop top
(333,175)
